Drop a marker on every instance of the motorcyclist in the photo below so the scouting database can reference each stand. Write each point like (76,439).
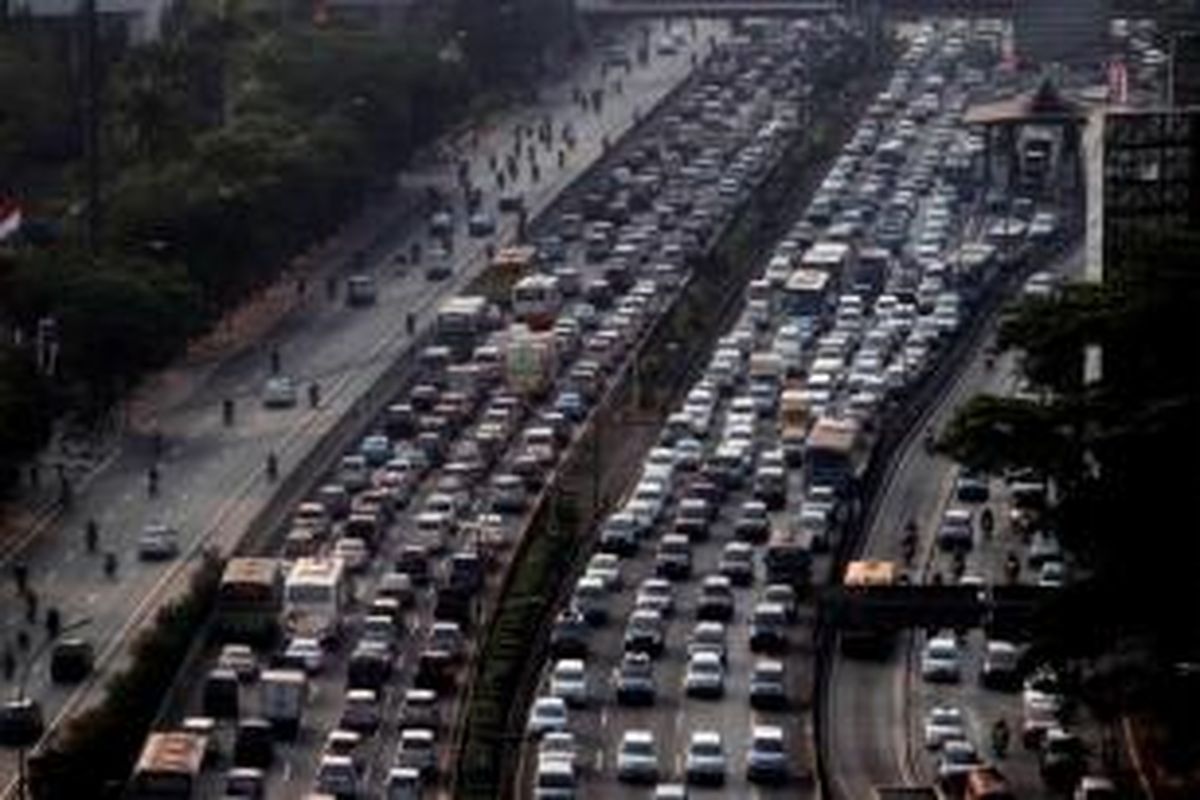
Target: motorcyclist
(1000,736)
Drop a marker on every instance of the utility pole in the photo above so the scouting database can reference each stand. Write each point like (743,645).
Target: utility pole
(91,122)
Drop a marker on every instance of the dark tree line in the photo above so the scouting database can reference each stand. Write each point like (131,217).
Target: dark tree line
(1121,453)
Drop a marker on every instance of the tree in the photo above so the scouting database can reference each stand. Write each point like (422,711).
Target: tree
(1121,455)
(25,413)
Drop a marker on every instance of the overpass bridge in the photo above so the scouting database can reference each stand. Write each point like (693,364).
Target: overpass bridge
(903,9)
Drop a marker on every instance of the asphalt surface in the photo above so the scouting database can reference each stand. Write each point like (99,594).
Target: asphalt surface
(212,477)
(876,709)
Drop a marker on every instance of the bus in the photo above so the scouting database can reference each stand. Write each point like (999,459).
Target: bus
(806,293)
(861,635)
(169,766)
(828,256)
(832,452)
(315,594)
(536,300)
(788,558)
(249,598)
(793,425)
(463,323)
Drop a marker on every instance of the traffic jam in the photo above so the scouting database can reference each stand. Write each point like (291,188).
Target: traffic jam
(682,653)
(343,657)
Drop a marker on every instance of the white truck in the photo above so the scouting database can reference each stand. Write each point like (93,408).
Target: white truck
(284,692)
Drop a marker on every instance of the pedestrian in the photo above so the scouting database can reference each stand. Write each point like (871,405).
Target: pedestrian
(53,622)
(91,535)
(34,475)
(562,159)
(227,411)
(31,607)
(10,663)
(22,640)
(21,576)
(314,394)
(272,466)
(152,481)
(275,361)
(410,323)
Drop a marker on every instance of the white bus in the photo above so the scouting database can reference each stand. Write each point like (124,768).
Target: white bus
(536,300)
(806,293)
(314,596)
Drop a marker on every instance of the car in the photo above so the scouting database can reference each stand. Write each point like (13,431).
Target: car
(766,757)
(705,760)
(305,653)
(656,594)
(568,680)
(554,779)
(240,659)
(279,392)
(338,776)
(941,660)
(716,599)
(1000,665)
(548,714)
(768,628)
(158,542)
(768,691)
(782,595)
(1061,759)
(752,524)
(354,552)
(481,224)
(707,637)
(558,746)
(1052,574)
(607,568)
(417,750)
(957,759)
(670,791)
(637,759)
(644,632)
(943,723)
(619,534)
(634,680)
(737,563)
(569,634)
(704,676)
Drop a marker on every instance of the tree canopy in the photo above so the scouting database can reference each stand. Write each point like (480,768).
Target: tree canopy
(1120,453)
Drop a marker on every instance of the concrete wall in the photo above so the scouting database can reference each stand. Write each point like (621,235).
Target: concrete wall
(1064,31)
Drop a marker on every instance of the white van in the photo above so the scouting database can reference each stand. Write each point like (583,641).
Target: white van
(402,783)
(555,780)
(417,750)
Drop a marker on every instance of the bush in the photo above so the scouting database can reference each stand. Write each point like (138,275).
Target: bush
(95,754)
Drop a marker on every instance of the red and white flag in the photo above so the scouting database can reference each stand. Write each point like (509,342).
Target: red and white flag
(10,217)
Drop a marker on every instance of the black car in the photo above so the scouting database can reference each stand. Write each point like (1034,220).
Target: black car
(635,681)
(568,638)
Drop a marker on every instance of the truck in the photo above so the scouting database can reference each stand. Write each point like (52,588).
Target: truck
(283,695)
(315,594)
(463,323)
(530,361)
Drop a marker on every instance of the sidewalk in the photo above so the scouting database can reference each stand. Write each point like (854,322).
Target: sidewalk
(213,483)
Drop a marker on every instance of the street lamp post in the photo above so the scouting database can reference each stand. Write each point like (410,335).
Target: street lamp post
(23,751)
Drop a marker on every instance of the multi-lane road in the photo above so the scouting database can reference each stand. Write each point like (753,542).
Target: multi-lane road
(213,477)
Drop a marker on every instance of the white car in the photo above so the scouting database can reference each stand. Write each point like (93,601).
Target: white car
(158,542)
(569,681)
(306,653)
(606,567)
(279,393)
(958,758)
(353,551)
(941,661)
(705,676)
(656,594)
(637,760)
(548,714)
(705,762)
(707,637)
(942,724)
(558,746)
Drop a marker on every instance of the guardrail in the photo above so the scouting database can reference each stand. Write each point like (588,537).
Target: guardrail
(900,432)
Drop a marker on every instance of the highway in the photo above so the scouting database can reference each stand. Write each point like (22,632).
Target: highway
(296,766)
(212,477)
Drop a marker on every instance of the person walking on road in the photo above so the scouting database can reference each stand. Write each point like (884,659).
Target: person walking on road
(272,466)
(91,535)
(410,323)
(276,361)
(314,394)
(10,663)
(21,577)
(227,411)
(110,565)
(31,606)
(53,622)
(152,481)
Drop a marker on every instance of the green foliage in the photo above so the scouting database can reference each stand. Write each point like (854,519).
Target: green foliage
(1121,454)
(36,121)
(116,318)
(503,41)
(100,746)
(25,412)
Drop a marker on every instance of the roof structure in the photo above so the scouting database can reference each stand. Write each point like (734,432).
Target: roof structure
(1042,106)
